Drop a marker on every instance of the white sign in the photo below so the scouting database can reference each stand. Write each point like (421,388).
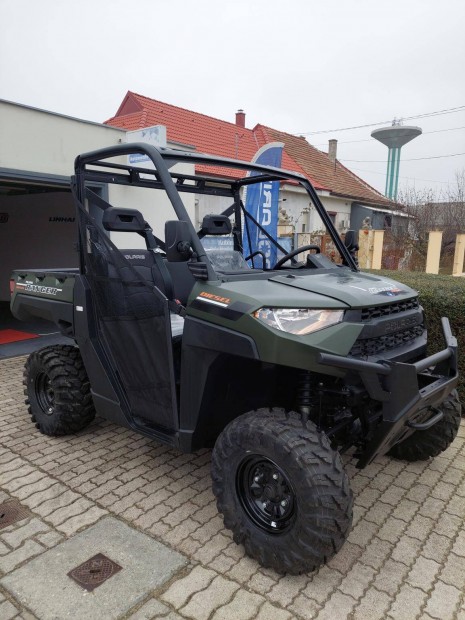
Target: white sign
(155,135)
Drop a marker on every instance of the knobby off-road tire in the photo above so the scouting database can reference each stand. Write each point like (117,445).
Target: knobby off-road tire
(58,390)
(423,444)
(282,490)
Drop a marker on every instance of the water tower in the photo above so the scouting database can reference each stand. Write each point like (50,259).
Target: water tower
(394,138)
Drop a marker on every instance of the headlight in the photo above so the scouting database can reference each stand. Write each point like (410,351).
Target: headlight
(298,321)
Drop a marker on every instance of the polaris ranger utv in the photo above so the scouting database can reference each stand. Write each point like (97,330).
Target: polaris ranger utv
(280,367)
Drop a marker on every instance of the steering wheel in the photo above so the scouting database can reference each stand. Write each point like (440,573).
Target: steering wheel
(287,257)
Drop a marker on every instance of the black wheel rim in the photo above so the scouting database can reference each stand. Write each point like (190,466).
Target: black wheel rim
(44,392)
(266,494)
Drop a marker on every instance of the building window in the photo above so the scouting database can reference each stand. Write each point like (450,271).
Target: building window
(332,216)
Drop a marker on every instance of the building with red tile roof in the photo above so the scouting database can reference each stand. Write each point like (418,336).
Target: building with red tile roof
(338,187)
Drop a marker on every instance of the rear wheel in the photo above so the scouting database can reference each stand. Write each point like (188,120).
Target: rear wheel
(58,390)
(422,445)
(282,490)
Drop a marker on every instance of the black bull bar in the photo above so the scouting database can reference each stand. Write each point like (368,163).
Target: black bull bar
(405,404)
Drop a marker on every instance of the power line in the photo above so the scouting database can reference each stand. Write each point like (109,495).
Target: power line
(371,139)
(314,133)
(384,161)
(441,130)
(438,113)
(401,177)
(426,114)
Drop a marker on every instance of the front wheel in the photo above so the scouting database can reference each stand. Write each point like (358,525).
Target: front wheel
(282,490)
(421,445)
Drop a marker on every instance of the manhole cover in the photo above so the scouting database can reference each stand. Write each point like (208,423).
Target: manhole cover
(94,572)
(11,512)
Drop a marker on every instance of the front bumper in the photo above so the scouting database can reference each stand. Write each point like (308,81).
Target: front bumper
(407,392)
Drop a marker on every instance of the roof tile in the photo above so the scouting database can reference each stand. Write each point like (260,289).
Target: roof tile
(217,137)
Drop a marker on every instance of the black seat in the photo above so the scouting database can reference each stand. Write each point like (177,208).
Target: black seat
(174,280)
(144,263)
(121,292)
(152,268)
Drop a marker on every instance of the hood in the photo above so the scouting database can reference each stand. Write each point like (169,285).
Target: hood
(356,289)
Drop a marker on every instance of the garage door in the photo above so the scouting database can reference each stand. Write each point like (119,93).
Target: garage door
(37,226)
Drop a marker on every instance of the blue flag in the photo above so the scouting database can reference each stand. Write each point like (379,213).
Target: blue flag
(262,203)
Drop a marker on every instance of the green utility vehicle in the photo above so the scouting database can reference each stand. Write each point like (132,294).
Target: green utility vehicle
(279,366)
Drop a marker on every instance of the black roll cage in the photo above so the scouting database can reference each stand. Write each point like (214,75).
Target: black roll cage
(174,183)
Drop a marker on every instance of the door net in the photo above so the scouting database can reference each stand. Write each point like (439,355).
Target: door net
(134,326)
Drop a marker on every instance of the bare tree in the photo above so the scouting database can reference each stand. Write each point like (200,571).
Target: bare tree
(427,211)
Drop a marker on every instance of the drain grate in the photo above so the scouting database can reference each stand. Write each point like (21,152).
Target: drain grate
(11,512)
(94,571)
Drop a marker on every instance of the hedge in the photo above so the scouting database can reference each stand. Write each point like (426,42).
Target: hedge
(440,296)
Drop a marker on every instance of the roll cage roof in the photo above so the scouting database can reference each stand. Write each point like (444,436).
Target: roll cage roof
(93,167)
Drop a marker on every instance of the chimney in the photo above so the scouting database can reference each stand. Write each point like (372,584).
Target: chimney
(240,118)
(332,150)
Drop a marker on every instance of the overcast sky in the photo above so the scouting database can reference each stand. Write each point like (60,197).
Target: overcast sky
(300,66)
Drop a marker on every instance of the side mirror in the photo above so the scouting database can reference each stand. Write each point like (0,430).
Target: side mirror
(351,243)
(177,241)
(216,225)
(350,240)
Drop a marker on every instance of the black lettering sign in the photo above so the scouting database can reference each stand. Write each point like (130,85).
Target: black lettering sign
(58,218)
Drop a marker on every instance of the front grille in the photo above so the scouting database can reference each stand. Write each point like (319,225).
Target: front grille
(377,312)
(374,346)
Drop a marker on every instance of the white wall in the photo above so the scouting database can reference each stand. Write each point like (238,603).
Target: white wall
(32,239)
(40,141)
(37,141)
(339,206)
(207,205)
(295,201)
(302,213)
(154,206)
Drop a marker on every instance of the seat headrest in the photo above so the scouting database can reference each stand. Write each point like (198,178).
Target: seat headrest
(123,220)
(216,225)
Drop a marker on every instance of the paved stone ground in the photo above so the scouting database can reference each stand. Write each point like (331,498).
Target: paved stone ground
(405,557)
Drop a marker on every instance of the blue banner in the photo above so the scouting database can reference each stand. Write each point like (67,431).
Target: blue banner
(262,203)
